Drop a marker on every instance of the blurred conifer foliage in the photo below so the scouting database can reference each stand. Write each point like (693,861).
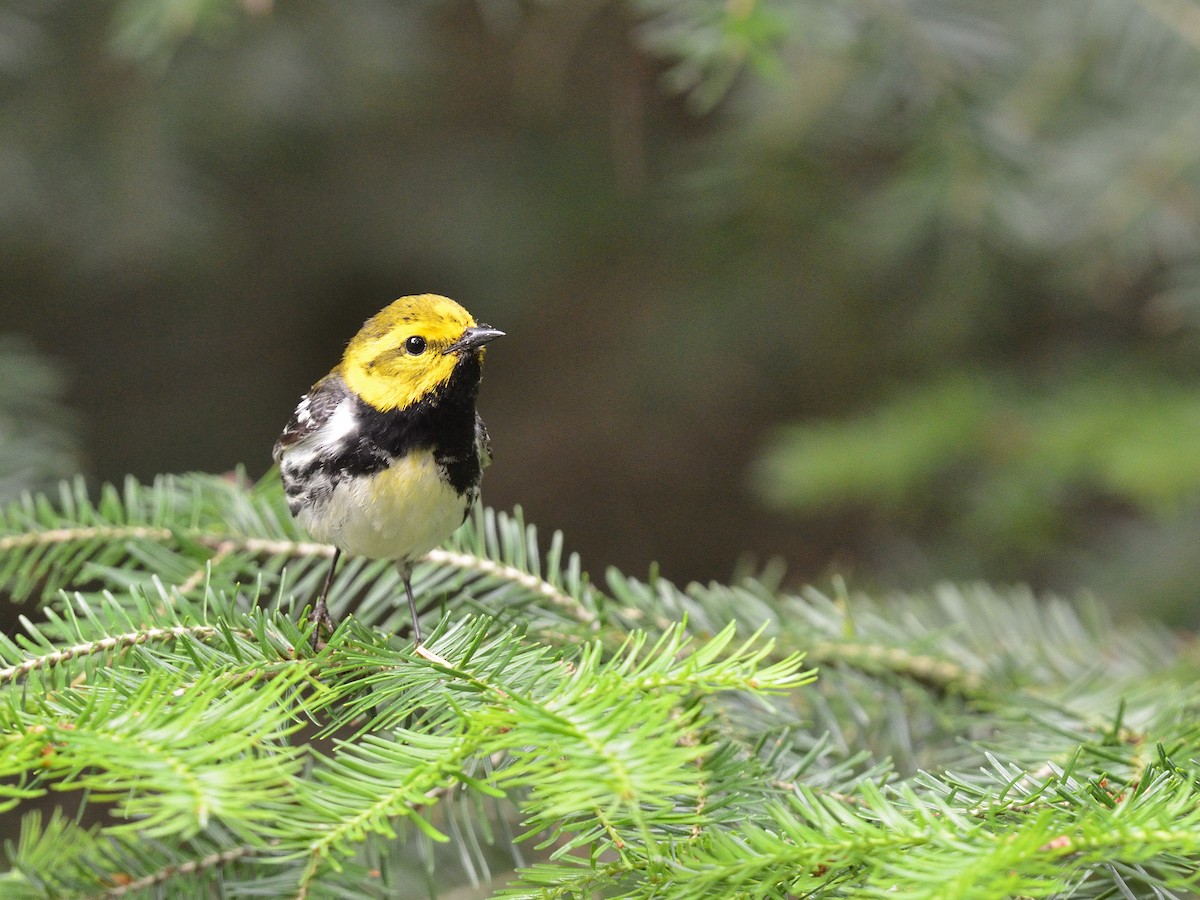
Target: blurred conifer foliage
(971,224)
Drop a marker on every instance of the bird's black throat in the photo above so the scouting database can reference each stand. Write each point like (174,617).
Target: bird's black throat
(443,421)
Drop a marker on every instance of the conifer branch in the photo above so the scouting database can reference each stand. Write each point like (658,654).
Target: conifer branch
(197,578)
(340,828)
(213,540)
(104,645)
(224,545)
(176,870)
(688,759)
(54,536)
(268,546)
(879,659)
(469,562)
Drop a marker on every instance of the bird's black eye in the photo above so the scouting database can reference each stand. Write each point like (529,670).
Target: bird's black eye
(415,345)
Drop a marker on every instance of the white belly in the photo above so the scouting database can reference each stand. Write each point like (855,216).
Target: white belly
(400,513)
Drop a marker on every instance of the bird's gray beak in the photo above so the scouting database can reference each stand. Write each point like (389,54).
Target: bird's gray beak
(473,339)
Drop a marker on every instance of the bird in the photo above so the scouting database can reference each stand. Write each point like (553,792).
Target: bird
(383,457)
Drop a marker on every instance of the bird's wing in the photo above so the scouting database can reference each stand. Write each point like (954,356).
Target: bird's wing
(313,411)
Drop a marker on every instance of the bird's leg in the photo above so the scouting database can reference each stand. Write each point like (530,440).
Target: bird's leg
(406,574)
(420,649)
(320,612)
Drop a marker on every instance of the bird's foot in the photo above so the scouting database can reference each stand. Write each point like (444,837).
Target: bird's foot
(319,617)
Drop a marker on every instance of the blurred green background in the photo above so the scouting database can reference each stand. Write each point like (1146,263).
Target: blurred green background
(905,290)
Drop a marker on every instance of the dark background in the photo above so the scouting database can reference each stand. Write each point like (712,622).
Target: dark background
(903,291)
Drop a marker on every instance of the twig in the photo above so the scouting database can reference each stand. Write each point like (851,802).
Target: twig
(168,872)
(67,535)
(197,578)
(117,641)
(941,674)
(512,573)
(223,545)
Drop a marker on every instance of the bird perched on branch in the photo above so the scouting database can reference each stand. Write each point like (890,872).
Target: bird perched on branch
(383,456)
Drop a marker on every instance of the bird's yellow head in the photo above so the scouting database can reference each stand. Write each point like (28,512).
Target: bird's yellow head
(410,348)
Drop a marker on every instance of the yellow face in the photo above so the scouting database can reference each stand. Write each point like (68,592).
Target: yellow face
(399,355)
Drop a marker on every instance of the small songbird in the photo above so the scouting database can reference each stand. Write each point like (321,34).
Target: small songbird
(383,456)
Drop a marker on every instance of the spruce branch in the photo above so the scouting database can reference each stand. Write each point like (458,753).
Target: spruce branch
(619,719)
(58,858)
(58,536)
(190,530)
(176,870)
(346,800)
(470,563)
(940,674)
(104,645)
(650,740)
(174,753)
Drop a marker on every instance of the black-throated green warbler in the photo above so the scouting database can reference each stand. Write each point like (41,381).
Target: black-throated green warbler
(383,456)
